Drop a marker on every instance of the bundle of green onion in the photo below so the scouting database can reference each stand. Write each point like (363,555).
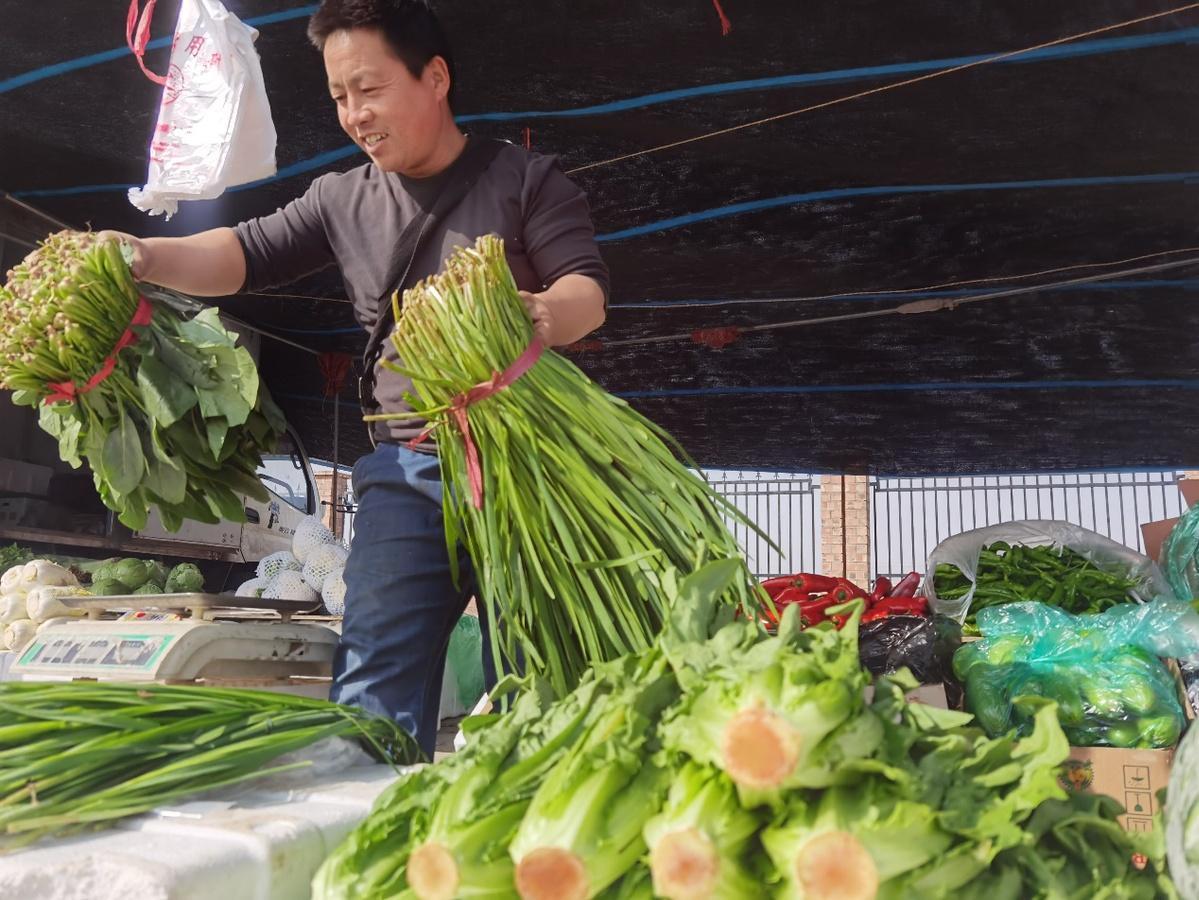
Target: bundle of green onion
(74,755)
(585,504)
(168,412)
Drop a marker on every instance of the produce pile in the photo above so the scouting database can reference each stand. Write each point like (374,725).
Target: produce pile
(814,595)
(724,763)
(313,571)
(13,555)
(167,411)
(32,594)
(144,576)
(74,755)
(571,504)
(1013,573)
(1104,672)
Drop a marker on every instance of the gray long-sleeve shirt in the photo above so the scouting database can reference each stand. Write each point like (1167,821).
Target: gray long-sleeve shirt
(354,219)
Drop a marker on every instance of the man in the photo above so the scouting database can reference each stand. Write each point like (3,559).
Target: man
(391,76)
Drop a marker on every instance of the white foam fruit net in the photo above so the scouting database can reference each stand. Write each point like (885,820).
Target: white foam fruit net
(323,562)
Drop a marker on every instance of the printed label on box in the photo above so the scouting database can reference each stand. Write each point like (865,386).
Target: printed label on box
(1138,803)
(1137,777)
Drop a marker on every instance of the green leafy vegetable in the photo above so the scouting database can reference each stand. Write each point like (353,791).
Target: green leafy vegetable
(168,420)
(584,503)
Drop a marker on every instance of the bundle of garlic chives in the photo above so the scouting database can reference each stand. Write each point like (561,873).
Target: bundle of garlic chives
(572,505)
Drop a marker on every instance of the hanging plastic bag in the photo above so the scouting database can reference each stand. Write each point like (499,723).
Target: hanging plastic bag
(1104,671)
(963,551)
(214,126)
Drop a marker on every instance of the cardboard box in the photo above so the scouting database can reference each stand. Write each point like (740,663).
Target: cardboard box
(1132,777)
(1155,533)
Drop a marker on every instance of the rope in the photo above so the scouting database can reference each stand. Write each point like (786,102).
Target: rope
(887,87)
(684,304)
(916,306)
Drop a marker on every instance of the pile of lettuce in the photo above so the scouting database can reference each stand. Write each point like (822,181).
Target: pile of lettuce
(723,763)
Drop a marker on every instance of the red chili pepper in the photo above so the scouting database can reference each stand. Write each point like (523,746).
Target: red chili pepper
(812,612)
(845,591)
(812,584)
(907,586)
(789,596)
(902,606)
(882,587)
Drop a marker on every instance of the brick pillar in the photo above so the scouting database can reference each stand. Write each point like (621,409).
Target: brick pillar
(845,527)
(324,489)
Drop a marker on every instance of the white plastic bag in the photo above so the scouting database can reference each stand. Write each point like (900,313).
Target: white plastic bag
(214,126)
(963,550)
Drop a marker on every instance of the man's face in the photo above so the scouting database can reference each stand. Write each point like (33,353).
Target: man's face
(391,115)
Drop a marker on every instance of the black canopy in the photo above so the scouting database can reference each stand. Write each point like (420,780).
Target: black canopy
(974,182)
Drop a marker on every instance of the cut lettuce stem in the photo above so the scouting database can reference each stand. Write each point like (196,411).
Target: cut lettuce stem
(552,873)
(835,866)
(760,749)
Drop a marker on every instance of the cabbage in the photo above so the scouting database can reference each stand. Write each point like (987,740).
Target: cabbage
(334,593)
(310,535)
(272,565)
(185,578)
(290,585)
(323,562)
(133,573)
(252,588)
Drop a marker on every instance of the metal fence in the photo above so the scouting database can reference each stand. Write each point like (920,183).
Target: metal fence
(910,516)
(785,507)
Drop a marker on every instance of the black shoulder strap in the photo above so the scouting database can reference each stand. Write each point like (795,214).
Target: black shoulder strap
(466,170)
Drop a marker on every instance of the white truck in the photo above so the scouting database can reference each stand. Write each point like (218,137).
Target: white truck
(52,508)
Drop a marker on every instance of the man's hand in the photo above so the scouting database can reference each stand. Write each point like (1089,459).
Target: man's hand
(208,264)
(140,262)
(568,309)
(543,316)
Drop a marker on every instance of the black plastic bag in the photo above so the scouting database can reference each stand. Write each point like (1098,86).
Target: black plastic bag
(923,645)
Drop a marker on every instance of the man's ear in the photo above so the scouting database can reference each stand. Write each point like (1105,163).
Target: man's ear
(437,75)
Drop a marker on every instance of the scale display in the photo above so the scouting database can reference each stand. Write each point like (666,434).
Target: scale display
(112,652)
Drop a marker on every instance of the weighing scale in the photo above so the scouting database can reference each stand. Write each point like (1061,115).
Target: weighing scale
(183,638)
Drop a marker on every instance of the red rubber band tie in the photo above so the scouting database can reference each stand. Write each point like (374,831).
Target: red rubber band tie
(458,406)
(68,391)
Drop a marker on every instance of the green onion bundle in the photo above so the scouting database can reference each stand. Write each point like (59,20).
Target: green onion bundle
(167,411)
(586,504)
(75,755)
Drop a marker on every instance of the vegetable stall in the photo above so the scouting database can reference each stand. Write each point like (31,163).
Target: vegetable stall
(667,727)
(1009,288)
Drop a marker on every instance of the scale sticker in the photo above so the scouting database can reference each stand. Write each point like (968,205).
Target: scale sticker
(107,651)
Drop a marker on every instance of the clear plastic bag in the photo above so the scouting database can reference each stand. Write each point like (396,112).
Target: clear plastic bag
(963,551)
(1104,671)
(214,127)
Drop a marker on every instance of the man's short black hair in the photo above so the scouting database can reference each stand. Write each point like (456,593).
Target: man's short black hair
(409,26)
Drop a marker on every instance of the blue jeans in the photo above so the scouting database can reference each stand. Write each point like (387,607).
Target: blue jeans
(401,602)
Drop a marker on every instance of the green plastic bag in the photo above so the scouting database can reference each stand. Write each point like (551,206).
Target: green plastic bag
(1104,672)
(1180,555)
(465,656)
